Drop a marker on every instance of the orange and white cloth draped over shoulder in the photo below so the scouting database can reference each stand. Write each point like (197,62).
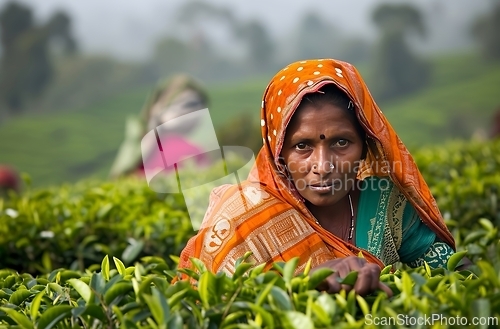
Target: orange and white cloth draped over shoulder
(267,216)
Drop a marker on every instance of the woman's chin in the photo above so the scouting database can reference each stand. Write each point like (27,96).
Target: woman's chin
(322,200)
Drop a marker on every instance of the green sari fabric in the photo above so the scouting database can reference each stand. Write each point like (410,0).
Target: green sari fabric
(389,227)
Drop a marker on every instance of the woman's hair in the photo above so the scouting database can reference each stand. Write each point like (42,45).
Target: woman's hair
(331,94)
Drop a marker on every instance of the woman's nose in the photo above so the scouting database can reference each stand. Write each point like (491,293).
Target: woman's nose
(323,164)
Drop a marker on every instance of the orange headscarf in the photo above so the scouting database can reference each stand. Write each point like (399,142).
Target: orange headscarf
(238,221)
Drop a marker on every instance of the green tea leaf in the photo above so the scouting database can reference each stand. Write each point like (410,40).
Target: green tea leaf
(132,251)
(117,290)
(386,270)
(105,268)
(82,288)
(319,314)
(488,225)
(97,283)
(289,270)
(363,305)
(175,259)
(307,268)
(241,269)
(198,264)
(326,302)
(474,237)
(281,298)
(158,306)
(278,266)
(433,282)
(104,210)
(407,284)
(254,272)
(9,281)
(55,287)
(206,286)
(35,305)
(175,322)
(455,259)
(265,292)
(297,320)
(319,276)
(46,261)
(53,315)
(176,298)
(489,272)
(243,259)
(19,296)
(258,310)
(230,318)
(65,275)
(350,279)
(427,268)
(96,312)
(119,266)
(18,317)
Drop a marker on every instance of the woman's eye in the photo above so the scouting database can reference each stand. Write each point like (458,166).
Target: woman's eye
(301,146)
(342,142)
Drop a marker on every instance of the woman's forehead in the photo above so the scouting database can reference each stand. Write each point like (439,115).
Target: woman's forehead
(285,91)
(322,118)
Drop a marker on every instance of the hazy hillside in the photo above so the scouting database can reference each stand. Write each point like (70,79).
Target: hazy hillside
(60,147)
(459,102)
(67,146)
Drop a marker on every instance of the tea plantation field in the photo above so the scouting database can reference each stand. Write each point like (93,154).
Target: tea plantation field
(100,254)
(81,143)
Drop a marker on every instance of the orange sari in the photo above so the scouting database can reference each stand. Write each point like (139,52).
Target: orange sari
(266,215)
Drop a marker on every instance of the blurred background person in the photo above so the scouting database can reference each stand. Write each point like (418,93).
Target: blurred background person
(176,96)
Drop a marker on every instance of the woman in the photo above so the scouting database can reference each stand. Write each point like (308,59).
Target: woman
(172,98)
(332,180)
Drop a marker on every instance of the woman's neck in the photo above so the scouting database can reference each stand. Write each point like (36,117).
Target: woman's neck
(337,218)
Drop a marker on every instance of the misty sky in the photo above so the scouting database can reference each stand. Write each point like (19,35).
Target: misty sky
(129,28)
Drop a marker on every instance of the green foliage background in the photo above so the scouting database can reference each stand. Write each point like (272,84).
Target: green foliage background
(68,146)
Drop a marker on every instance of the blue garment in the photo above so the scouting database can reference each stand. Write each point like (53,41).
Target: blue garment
(389,227)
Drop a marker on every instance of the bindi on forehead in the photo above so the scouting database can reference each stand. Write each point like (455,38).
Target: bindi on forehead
(322,136)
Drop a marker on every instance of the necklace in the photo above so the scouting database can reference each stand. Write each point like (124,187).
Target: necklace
(351,228)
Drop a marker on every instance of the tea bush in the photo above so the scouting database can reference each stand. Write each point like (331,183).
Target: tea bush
(146,296)
(465,179)
(75,226)
(53,240)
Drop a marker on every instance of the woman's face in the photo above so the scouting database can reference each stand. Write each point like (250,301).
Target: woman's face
(320,135)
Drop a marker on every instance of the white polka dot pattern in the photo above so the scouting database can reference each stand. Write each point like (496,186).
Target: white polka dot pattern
(285,86)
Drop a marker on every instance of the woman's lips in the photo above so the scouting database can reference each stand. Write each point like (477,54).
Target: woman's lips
(322,187)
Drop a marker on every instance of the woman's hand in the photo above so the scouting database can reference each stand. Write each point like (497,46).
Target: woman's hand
(367,282)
